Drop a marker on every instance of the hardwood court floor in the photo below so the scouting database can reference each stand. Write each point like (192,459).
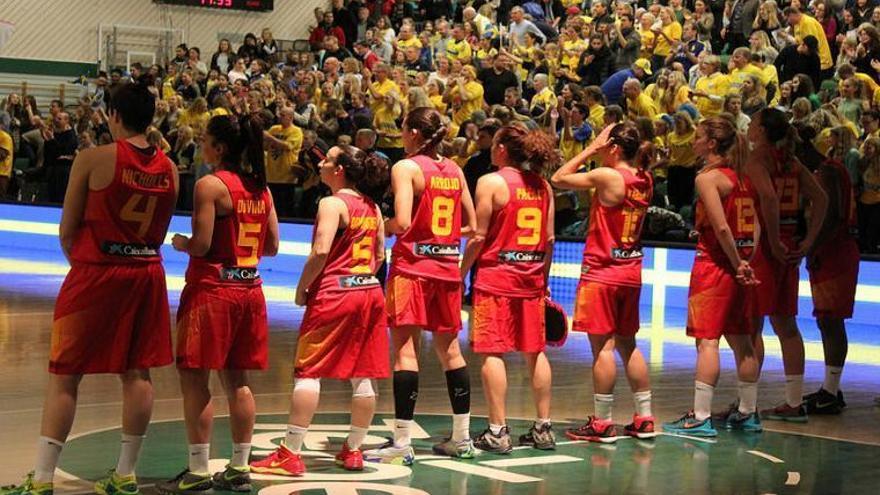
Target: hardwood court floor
(25,321)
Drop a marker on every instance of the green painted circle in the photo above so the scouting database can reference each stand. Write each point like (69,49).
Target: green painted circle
(664,465)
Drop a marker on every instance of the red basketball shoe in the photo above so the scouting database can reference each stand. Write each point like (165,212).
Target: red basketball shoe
(283,462)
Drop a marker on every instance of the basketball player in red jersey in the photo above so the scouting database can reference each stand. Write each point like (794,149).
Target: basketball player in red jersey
(221,321)
(834,271)
(343,333)
(607,302)
(111,315)
(432,210)
(722,298)
(781,182)
(513,247)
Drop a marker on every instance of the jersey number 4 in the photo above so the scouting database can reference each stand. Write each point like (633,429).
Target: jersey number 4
(140,214)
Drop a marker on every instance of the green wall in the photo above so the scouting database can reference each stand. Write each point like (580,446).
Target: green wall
(47,67)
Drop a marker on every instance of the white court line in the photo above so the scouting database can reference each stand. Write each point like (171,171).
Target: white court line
(495,474)
(688,437)
(793,478)
(531,461)
(774,460)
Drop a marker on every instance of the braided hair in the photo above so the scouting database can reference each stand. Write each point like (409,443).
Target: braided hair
(429,124)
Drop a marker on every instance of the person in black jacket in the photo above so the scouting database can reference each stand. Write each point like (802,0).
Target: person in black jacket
(224,58)
(868,51)
(346,21)
(594,66)
(802,58)
(250,48)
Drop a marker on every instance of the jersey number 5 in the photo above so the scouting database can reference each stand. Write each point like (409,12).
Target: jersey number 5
(142,215)
(249,238)
(442,209)
(362,254)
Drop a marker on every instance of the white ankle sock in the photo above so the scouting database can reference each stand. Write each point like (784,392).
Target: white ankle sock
(495,429)
(48,452)
(401,432)
(129,451)
(748,397)
(356,437)
(603,404)
(241,452)
(703,393)
(461,426)
(642,401)
(541,422)
(294,438)
(832,379)
(199,454)
(794,390)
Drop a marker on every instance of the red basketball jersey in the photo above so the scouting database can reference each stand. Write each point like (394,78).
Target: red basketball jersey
(352,263)
(613,250)
(126,222)
(239,237)
(512,260)
(788,191)
(849,227)
(431,247)
(739,211)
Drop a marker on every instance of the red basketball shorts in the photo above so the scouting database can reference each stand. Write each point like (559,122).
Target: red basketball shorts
(344,335)
(111,319)
(602,309)
(717,304)
(222,328)
(433,305)
(834,275)
(504,324)
(778,290)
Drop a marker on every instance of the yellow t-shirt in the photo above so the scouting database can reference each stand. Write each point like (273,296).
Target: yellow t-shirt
(737,76)
(822,141)
(570,147)
(471,104)
(642,106)
(219,111)
(865,79)
(280,164)
(681,149)
(648,39)
(811,27)
(168,89)
(198,121)
(577,46)
(6,144)
(382,89)
(661,171)
(656,94)
(662,47)
(716,85)
(459,50)
(597,118)
(404,44)
(385,121)
(546,98)
(439,104)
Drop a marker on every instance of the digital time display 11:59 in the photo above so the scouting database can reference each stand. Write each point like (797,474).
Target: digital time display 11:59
(254,5)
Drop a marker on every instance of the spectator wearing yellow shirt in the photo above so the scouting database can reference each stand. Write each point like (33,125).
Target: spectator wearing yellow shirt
(711,88)
(595,101)
(647,37)
(668,34)
(638,104)
(804,26)
(436,89)
(682,161)
(169,85)
(576,131)
(544,96)
(196,116)
(390,134)
(741,67)
(407,38)
(283,170)
(468,92)
(381,87)
(6,149)
(458,48)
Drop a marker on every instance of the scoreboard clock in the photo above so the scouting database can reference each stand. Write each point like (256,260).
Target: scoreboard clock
(250,5)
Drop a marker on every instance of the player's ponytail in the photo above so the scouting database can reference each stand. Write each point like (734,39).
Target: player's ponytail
(529,151)
(242,142)
(134,103)
(369,173)
(429,124)
(730,144)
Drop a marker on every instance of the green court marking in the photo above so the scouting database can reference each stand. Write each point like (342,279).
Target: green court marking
(734,463)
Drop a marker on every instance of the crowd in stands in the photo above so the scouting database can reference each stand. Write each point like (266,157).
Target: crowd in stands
(571,67)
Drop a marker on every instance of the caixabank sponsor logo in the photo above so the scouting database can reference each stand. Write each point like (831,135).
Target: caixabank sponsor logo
(358,281)
(521,256)
(437,250)
(666,464)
